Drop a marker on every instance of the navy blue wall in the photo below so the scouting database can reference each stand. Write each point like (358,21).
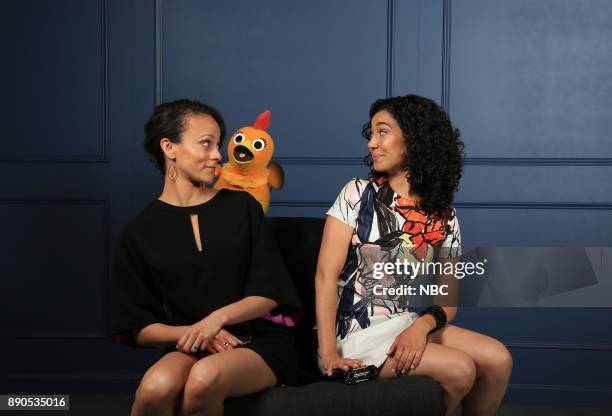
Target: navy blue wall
(529,83)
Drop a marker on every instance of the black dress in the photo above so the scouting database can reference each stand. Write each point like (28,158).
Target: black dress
(159,275)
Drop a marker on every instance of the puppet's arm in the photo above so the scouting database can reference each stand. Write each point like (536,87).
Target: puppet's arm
(276,176)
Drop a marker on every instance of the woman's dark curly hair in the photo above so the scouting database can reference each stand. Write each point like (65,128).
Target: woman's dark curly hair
(434,158)
(168,121)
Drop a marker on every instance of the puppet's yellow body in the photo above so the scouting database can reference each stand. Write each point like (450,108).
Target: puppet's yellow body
(250,167)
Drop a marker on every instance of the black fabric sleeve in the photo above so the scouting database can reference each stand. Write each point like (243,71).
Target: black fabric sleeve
(134,301)
(267,275)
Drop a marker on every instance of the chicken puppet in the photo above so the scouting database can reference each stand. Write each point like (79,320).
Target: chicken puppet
(250,167)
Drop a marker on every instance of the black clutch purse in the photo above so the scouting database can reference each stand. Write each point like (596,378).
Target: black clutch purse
(355,375)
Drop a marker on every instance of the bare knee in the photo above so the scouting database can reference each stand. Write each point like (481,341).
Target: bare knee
(203,381)
(460,375)
(157,390)
(495,363)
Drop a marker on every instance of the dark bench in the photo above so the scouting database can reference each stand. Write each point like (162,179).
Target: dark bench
(298,240)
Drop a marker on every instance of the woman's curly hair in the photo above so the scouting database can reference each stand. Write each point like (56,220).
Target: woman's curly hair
(434,159)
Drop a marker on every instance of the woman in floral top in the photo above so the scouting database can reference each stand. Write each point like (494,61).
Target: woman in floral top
(402,215)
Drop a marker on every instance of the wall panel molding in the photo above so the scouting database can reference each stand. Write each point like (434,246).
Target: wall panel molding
(560,387)
(558,394)
(446,55)
(102,157)
(557,346)
(480,66)
(538,161)
(64,376)
(534,205)
(159,29)
(50,335)
(104,27)
(319,160)
(477,205)
(390,46)
(475,161)
(99,333)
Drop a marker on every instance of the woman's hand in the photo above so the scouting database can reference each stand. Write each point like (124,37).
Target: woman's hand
(333,361)
(223,341)
(199,335)
(407,349)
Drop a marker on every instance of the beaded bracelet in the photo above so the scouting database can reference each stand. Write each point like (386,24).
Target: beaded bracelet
(439,315)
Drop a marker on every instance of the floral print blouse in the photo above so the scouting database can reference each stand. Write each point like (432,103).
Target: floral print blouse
(386,228)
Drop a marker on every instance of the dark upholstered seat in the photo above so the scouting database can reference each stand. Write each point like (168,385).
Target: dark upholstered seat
(298,240)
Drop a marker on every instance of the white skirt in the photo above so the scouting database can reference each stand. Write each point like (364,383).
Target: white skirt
(371,344)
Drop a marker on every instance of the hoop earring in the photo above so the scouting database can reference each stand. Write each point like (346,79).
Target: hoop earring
(172,173)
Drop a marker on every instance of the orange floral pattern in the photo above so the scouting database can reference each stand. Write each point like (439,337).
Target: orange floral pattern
(423,229)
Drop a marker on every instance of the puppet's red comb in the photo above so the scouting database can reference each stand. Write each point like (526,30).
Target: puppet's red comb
(263,120)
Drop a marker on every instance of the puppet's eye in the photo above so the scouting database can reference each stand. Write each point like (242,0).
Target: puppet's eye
(238,138)
(259,144)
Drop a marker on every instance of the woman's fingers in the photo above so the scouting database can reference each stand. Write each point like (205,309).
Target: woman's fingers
(224,337)
(336,365)
(222,344)
(395,359)
(330,368)
(356,363)
(216,346)
(409,360)
(401,359)
(346,364)
(232,340)
(194,340)
(417,359)
(186,347)
(205,340)
(343,364)
(197,344)
(182,340)
(393,362)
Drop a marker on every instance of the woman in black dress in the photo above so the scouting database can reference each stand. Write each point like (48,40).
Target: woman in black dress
(198,272)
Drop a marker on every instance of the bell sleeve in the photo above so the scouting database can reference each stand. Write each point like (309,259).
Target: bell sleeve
(267,275)
(134,301)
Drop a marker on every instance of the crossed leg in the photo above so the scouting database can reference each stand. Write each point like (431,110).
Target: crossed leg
(236,372)
(453,369)
(493,367)
(162,384)
(203,382)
